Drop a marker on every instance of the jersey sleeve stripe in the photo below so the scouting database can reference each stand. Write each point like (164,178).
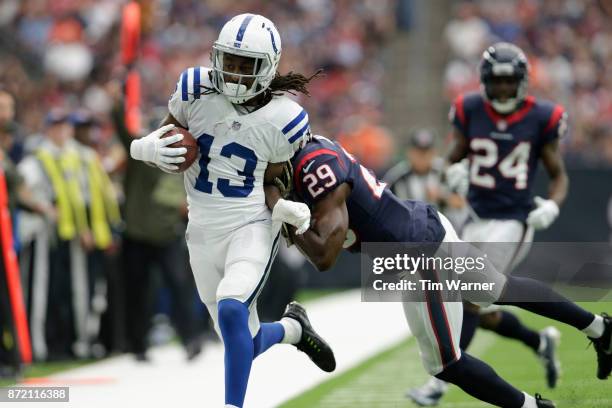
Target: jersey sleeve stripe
(299,133)
(554,118)
(184,84)
(196,83)
(190,72)
(459,109)
(294,122)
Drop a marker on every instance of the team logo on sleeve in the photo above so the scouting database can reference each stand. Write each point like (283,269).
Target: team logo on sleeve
(308,166)
(236,126)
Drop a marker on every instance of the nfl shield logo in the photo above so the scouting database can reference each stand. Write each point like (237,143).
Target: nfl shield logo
(502,125)
(236,125)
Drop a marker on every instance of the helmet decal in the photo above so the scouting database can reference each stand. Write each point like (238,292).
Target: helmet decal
(242,29)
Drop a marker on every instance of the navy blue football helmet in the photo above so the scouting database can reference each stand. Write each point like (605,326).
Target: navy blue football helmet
(504,60)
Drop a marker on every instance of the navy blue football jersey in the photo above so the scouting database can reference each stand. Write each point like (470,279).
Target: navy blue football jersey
(375,213)
(504,151)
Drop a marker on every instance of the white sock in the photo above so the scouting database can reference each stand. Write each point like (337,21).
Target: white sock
(293,330)
(542,345)
(230,406)
(530,402)
(596,328)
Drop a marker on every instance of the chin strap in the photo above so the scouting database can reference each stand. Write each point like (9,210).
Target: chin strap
(505,107)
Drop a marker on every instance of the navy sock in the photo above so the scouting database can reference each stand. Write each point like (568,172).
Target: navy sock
(550,304)
(268,335)
(510,326)
(468,329)
(482,382)
(234,325)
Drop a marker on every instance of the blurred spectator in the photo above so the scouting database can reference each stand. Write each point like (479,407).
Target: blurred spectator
(104,222)
(419,176)
(568,46)
(11,133)
(155,211)
(55,247)
(468,33)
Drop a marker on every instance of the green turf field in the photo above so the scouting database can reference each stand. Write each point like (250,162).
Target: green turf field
(383,380)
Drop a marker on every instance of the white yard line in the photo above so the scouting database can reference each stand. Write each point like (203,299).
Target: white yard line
(354,329)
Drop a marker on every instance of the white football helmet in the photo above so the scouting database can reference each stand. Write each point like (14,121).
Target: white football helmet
(252,36)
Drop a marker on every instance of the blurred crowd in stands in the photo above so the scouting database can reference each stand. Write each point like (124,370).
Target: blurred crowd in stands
(66,52)
(569,46)
(95,267)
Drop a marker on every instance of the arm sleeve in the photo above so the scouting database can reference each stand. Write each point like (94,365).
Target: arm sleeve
(556,127)
(317,174)
(457,116)
(119,123)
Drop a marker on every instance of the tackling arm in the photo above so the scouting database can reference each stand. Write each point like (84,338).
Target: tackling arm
(273,194)
(322,243)
(284,211)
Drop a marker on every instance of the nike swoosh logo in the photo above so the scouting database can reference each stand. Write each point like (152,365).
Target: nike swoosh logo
(308,166)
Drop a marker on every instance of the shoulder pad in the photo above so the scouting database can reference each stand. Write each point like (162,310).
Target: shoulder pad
(552,116)
(192,81)
(289,117)
(472,100)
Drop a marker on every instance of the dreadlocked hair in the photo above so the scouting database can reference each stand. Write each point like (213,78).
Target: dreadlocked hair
(291,83)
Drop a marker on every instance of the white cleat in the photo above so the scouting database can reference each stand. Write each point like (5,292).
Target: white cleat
(550,338)
(428,394)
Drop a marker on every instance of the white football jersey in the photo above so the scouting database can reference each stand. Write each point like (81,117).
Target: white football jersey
(225,184)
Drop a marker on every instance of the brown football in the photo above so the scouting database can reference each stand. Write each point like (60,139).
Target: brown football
(189,143)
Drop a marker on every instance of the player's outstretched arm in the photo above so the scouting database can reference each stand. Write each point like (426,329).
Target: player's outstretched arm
(460,147)
(322,243)
(553,162)
(547,210)
(456,173)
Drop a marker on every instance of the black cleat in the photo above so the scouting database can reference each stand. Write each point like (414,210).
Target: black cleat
(550,339)
(311,343)
(543,403)
(603,348)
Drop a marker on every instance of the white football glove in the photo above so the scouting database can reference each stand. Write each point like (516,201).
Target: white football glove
(291,212)
(544,214)
(153,149)
(457,177)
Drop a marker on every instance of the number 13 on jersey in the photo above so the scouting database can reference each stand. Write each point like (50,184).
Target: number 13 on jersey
(203,183)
